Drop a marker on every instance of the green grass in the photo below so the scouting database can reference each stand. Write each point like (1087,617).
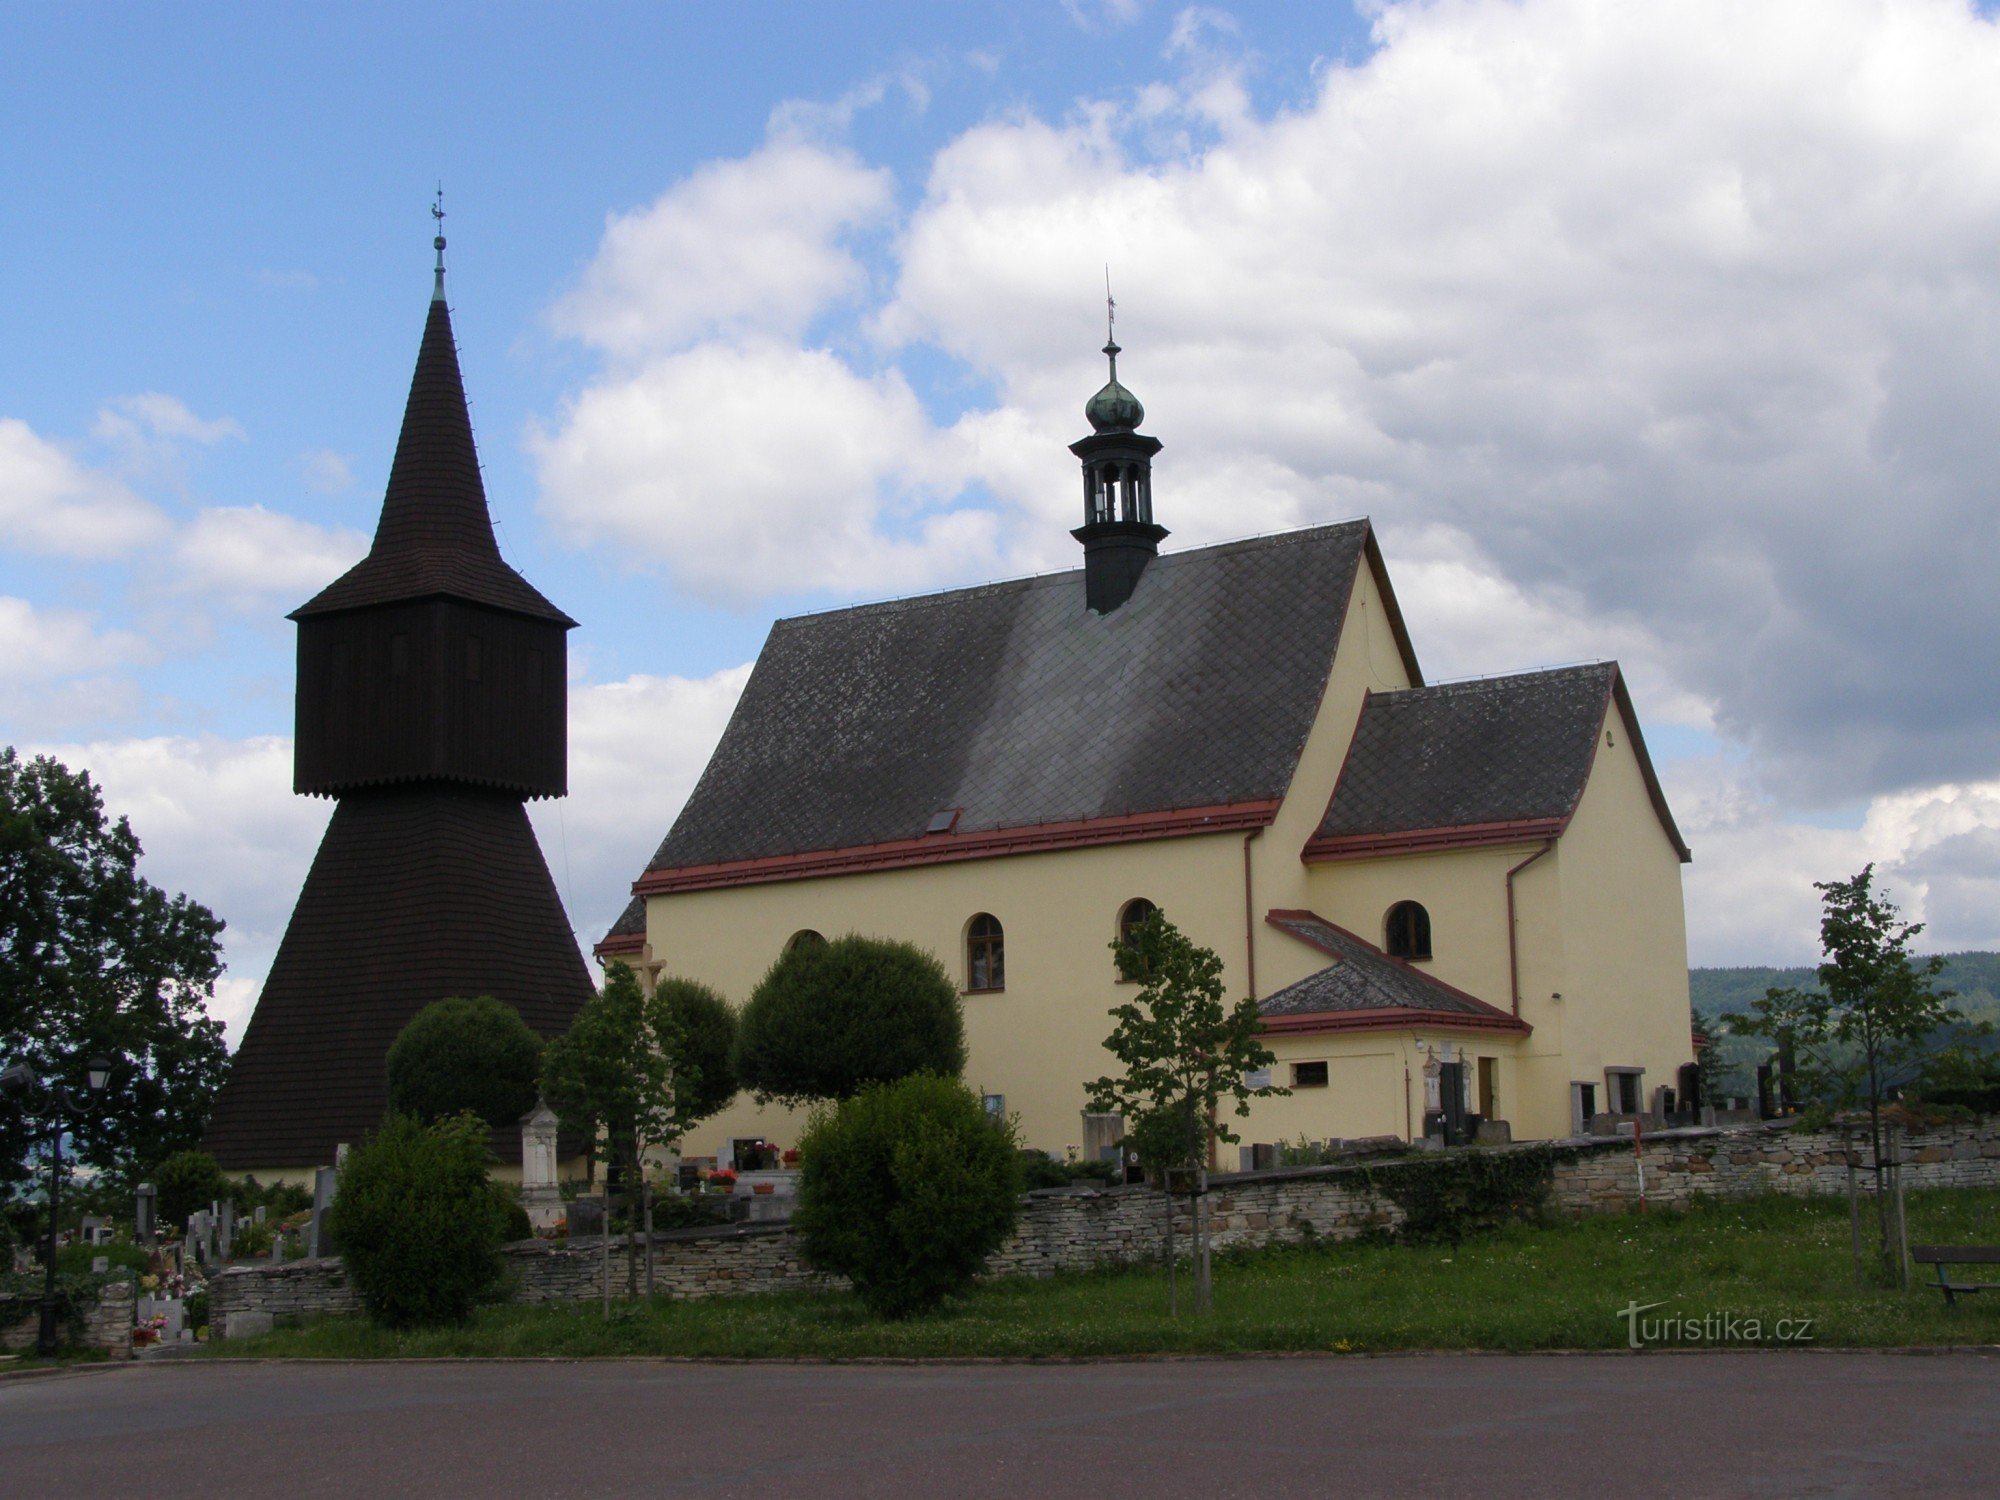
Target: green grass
(1556,1286)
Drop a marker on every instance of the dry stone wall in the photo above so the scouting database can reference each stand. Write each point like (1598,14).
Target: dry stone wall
(1074,1229)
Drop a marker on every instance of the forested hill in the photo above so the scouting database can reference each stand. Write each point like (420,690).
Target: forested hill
(1974,976)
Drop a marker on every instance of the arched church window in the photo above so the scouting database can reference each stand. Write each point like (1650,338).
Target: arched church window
(1406,931)
(804,938)
(1131,917)
(985,954)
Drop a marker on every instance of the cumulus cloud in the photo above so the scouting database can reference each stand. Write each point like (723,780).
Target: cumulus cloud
(50,502)
(326,471)
(635,750)
(217,820)
(744,472)
(244,555)
(749,245)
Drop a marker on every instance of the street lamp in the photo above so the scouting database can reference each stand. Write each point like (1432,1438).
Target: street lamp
(16,1082)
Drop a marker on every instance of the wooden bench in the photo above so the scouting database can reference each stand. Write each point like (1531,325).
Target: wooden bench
(1942,1256)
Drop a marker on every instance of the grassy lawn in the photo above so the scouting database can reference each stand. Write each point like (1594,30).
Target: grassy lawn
(1558,1286)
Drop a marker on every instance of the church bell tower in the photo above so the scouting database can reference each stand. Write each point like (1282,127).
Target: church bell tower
(431,705)
(1118,534)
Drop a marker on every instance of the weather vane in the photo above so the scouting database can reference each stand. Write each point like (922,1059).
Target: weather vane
(1110,309)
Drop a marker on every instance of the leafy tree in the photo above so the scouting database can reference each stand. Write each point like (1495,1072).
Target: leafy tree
(462,1055)
(1861,1035)
(1184,1050)
(829,1020)
(187,1182)
(419,1227)
(631,1064)
(705,1025)
(906,1189)
(95,960)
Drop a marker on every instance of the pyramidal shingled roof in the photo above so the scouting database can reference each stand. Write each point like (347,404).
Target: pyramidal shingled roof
(435,537)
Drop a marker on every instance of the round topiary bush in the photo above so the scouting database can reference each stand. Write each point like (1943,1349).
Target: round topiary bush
(830,1019)
(705,1027)
(418,1226)
(905,1190)
(458,1055)
(187,1181)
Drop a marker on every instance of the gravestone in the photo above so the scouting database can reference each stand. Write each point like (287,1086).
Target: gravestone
(278,1248)
(586,1217)
(541,1198)
(260,1213)
(96,1231)
(225,1230)
(325,1181)
(148,1198)
(99,1264)
(198,1231)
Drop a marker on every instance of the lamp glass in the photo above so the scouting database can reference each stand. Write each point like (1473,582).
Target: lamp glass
(99,1069)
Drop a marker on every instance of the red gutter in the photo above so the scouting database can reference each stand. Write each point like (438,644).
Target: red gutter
(622,942)
(947,848)
(1513,948)
(1423,840)
(1394,1018)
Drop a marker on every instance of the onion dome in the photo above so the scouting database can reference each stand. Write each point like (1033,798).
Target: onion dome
(1114,409)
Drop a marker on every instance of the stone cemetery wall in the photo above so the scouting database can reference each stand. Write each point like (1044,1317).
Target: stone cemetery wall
(1072,1229)
(107,1322)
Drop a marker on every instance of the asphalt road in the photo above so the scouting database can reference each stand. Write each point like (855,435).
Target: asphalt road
(1747,1423)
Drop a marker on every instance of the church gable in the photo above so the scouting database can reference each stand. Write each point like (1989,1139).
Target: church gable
(1014,711)
(1489,761)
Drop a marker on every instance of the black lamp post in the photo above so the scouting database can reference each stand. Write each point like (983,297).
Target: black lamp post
(15,1082)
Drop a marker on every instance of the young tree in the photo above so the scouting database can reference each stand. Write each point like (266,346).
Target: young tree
(630,1065)
(459,1055)
(95,960)
(1185,1050)
(1861,1034)
(828,1020)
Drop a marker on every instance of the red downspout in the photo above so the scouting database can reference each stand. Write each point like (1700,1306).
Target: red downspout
(1513,948)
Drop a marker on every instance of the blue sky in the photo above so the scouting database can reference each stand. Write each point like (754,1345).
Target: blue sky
(1664,333)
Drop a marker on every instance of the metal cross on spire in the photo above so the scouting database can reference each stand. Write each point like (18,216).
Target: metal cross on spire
(1110,309)
(437,213)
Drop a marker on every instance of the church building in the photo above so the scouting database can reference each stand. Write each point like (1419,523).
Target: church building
(432,703)
(1454,900)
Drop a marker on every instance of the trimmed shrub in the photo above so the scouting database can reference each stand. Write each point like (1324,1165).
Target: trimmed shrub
(418,1225)
(458,1055)
(905,1190)
(188,1181)
(705,1028)
(829,1020)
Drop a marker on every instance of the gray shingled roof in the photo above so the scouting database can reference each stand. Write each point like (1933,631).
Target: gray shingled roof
(1014,703)
(1361,977)
(1499,750)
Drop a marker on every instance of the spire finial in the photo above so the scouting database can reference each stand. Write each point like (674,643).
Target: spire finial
(437,212)
(1110,323)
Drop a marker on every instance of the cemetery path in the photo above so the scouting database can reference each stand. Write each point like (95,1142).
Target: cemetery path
(1746,1423)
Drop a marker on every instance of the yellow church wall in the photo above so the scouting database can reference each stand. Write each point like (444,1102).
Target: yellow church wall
(1037,1042)
(1625,1003)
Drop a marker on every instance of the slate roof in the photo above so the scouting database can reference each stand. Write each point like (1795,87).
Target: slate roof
(1362,979)
(435,536)
(1017,706)
(1509,755)
(416,894)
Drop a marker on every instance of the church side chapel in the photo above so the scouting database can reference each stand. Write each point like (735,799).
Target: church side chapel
(431,706)
(1456,904)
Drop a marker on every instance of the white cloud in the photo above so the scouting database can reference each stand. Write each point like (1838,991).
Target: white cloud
(635,750)
(744,246)
(51,503)
(326,471)
(744,472)
(218,821)
(127,420)
(39,644)
(243,555)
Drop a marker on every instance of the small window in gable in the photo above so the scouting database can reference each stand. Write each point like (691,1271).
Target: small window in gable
(1131,917)
(985,954)
(1406,931)
(804,938)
